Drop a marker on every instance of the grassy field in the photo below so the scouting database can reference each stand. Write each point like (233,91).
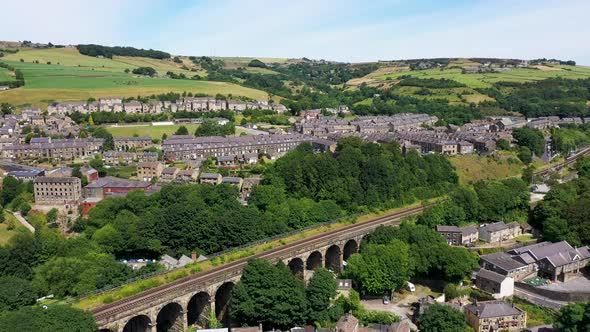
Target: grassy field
(70,57)
(72,77)
(124,172)
(485,80)
(5,75)
(49,83)
(148,130)
(5,233)
(472,168)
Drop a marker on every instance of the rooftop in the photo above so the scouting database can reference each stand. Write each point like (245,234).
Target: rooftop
(489,309)
(490,275)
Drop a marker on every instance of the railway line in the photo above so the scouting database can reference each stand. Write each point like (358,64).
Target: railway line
(103,312)
(570,160)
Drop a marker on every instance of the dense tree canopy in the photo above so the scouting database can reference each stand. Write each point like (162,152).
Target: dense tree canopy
(54,318)
(380,269)
(270,295)
(563,214)
(531,138)
(574,317)
(430,255)
(16,292)
(213,128)
(108,52)
(442,318)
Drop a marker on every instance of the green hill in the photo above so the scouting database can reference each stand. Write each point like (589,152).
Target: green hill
(63,74)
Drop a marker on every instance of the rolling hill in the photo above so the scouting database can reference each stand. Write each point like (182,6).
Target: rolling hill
(63,74)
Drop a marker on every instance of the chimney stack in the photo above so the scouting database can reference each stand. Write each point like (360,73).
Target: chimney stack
(194,256)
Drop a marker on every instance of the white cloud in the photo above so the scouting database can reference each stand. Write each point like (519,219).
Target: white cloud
(345,30)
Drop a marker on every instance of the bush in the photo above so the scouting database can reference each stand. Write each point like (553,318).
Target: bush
(25,208)
(451,292)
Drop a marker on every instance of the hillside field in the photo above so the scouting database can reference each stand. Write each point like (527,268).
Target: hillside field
(473,168)
(48,83)
(519,75)
(5,75)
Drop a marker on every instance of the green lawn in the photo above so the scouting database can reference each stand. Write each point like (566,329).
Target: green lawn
(485,80)
(149,130)
(5,233)
(5,75)
(124,172)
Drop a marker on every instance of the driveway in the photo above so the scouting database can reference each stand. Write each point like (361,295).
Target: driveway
(403,311)
(582,283)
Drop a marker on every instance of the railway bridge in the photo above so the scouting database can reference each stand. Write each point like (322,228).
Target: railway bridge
(192,299)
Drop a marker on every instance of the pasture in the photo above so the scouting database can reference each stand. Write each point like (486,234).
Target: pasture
(48,83)
(5,75)
(519,75)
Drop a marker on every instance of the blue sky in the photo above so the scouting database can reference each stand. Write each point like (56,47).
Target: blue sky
(343,30)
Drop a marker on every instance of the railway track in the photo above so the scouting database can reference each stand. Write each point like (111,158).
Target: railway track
(104,312)
(570,160)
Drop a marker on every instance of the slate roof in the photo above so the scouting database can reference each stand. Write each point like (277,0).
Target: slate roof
(111,181)
(445,228)
(489,309)
(210,176)
(490,275)
(564,258)
(468,230)
(47,179)
(503,260)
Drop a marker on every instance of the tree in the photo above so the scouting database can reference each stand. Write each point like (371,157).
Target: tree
(15,293)
(321,289)
(525,155)
(380,269)
(54,318)
(25,208)
(6,108)
(270,295)
(147,71)
(213,128)
(574,317)
(445,213)
(503,144)
(182,130)
(100,132)
(442,318)
(257,63)
(90,121)
(52,215)
(451,292)
(10,188)
(531,138)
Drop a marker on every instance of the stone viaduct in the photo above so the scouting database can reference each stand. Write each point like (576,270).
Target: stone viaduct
(191,300)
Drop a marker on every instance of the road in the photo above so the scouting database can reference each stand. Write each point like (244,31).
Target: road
(538,299)
(190,282)
(23,221)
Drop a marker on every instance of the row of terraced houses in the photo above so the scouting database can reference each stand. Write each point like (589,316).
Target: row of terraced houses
(197,104)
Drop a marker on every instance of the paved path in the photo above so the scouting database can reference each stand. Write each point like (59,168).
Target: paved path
(538,299)
(23,221)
